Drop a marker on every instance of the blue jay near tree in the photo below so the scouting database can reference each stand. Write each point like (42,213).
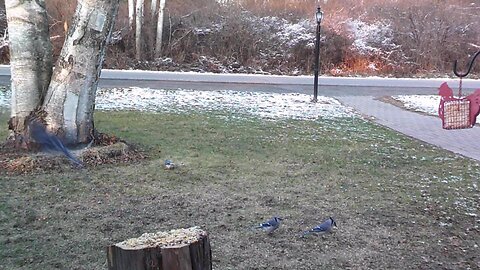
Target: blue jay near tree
(323,228)
(270,225)
(49,141)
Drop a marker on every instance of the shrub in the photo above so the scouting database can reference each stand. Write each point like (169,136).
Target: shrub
(401,38)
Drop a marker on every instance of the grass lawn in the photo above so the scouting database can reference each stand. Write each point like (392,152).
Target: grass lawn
(399,204)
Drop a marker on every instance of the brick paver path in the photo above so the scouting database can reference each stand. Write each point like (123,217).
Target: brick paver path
(425,128)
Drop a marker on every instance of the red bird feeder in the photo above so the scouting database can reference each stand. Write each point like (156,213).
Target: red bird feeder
(458,112)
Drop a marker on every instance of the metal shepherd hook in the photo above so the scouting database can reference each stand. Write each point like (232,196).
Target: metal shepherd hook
(470,65)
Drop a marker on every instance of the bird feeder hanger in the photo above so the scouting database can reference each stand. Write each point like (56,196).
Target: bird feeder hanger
(461,75)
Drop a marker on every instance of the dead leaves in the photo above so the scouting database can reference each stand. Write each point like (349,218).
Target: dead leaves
(106,150)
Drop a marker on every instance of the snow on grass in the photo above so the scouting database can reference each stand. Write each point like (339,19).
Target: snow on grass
(264,105)
(421,103)
(4,98)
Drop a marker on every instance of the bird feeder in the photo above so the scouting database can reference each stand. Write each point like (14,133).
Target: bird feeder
(458,112)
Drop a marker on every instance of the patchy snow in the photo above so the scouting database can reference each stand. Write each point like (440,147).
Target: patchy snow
(263,105)
(421,103)
(273,106)
(373,38)
(283,34)
(5,98)
(292,34)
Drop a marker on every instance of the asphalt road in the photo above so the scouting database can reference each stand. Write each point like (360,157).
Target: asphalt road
(328,86)
(323,90)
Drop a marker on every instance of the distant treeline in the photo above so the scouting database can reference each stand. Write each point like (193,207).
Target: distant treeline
(376,37)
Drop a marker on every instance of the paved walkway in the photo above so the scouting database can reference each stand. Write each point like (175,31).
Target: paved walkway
(425,128)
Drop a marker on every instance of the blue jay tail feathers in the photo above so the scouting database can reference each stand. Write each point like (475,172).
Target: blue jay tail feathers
(305,233)
(257,227)
(49,141)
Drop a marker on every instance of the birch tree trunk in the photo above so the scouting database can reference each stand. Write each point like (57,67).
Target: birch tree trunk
(30,59)
(138,29)
(131,13)
(153,8)
(158,43)
(70,99)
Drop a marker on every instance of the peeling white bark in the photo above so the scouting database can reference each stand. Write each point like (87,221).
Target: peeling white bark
(70,100)
(158,43)
(30,57)
(138,29)
(131,13)
(70,115)
(153,8)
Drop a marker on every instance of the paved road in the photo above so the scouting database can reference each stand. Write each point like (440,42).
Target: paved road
(324,90)
(328,86)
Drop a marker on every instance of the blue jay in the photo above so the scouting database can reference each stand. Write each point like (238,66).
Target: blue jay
(169,165)
(50,142)
(270,225)
(323,228)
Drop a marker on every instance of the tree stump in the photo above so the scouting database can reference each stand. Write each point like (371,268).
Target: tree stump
(182,249)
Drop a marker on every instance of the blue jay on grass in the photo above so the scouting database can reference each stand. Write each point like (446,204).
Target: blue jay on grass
(323,228)
(50,142)
(270,225)
(169,165)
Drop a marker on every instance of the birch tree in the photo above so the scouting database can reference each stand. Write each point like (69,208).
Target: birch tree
(64,99)
(138,29)
(153,7)
(70,100)
(131,13)
(158,43)
(30,58)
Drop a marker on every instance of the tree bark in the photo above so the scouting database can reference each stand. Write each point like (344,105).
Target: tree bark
(30,60)
(138,29)
(70,99)
(153,8)
(158,43)
(131,13)
(192,255)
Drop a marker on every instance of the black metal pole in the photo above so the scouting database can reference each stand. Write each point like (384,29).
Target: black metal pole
(317,64)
